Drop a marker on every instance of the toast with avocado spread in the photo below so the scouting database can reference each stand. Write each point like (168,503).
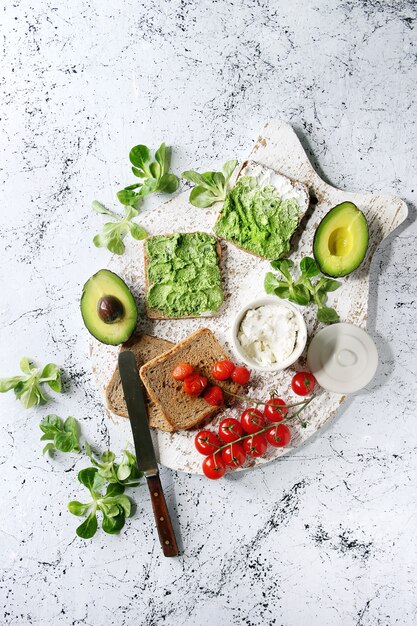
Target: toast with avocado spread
(182,275)
(262,211)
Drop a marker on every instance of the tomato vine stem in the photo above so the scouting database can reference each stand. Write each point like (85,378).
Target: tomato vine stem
(305,403)
(250,400)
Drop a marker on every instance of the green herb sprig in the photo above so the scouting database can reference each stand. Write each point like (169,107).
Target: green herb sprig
(28,388)
(106,473)
(122,473)
(113,504)
(154,175)
(303,290)
(211,186)
(62,436)
(113,233)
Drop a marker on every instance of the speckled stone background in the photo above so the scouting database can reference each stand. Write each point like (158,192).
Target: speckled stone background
(327,534)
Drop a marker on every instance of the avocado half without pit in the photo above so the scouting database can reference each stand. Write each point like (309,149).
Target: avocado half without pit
(108,308)
(341,240)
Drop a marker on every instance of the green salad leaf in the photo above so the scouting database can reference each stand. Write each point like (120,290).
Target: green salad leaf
(125,473)
(113,505)
(106,481)
(210,187)
(327,315)
(309,267)
(288,289)
(113,233)
(63,436)
(28,388)
(154,175)
(303,290)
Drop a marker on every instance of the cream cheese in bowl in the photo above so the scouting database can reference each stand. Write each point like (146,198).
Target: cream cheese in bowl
(269,334)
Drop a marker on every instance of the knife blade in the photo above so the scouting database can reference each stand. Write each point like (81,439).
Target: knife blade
(138,415)
(145,453)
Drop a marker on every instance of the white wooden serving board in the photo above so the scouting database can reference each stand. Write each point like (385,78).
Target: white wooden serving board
(243,275)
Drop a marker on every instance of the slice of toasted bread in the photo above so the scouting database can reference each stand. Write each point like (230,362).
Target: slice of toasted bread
(295,189)
(145,348)
(156,314)
(201,350)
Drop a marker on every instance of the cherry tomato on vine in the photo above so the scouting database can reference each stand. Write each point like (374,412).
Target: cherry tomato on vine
(252,420)
(234,455)
(240,375)
(182,370)
(256,445)
(194,384)
(207,442)
(278,436)
(214,396)
(214,467)
(222,370)
(275,410)
(230,430)
(303,383)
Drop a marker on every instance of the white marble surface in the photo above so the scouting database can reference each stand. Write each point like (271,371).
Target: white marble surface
(327,534)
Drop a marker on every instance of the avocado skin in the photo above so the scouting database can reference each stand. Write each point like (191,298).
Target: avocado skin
(355,260)
(107,283)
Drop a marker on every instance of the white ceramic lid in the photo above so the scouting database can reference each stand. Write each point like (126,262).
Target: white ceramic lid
(343,358)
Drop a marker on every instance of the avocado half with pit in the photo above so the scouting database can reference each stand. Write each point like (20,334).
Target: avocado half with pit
(108,308)
(341,240)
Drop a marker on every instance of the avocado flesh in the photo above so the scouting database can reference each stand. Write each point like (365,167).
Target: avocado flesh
(106,283)
(341,240)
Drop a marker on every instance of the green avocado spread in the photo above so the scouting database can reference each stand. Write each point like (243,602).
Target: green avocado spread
(183,274)
(256,219)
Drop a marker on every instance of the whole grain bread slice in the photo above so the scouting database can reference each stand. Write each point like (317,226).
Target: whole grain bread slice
(145,348)
(201,350)
(156,314)
(246,170)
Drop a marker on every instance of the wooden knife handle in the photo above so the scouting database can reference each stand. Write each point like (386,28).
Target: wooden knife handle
(162,518)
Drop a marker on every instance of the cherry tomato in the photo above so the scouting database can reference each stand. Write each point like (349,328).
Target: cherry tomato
(275,410)
(240,375)
(214,396)
(234,455)
(252,420)
(213,466)
(222,370)
(194,384)
(255,445)
(278,436)
(303,383)
(207,442)
(182,370)
(230,430)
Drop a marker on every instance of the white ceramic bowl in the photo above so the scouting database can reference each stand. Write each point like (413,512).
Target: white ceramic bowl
(299,345)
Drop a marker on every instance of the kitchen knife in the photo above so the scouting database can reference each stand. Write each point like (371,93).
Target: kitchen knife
(145,454)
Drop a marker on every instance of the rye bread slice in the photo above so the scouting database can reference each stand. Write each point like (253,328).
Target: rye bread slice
(201,350)
(156,314)
(252,167)
(145,348)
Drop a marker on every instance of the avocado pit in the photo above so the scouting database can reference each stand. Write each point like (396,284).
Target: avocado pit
(110,309)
